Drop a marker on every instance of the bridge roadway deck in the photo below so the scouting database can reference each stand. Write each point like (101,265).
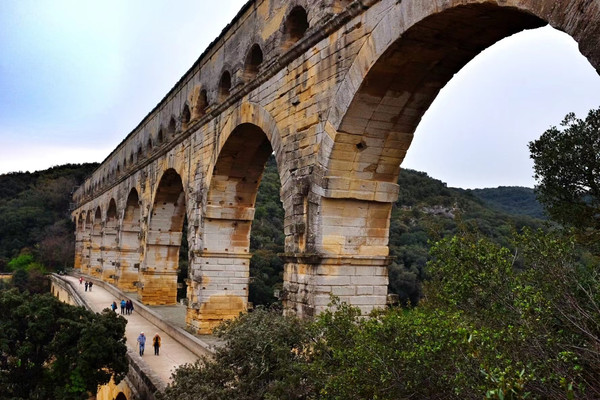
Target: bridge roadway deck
(172,353)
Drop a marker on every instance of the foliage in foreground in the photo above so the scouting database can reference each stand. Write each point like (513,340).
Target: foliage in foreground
(52,350)
(486,329)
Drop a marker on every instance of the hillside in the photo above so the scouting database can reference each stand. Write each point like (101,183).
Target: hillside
(34,213)
(512,199)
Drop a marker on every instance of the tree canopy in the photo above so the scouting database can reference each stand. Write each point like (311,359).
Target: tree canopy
(52,350)
(567,169)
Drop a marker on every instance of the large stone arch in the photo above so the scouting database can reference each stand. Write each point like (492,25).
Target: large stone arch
(86,242)
(218,288)
(95,267)
(412,52)
(110,243)
(158,275)
(255,114)
(129,243)
(79,239)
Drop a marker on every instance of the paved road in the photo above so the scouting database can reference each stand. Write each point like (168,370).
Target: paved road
(172,354)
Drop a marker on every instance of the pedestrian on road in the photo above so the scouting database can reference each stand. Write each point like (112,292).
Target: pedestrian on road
(80,280)
(86,285)
(91,283)
(156,343)
(142,342)
(129,307)
(123,303)
(114,306)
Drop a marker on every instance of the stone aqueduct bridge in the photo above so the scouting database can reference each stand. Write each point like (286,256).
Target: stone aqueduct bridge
(335,89)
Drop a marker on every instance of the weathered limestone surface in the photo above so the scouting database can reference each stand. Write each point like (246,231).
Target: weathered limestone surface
(335,89)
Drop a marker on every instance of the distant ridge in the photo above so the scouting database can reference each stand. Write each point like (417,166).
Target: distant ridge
(515,200)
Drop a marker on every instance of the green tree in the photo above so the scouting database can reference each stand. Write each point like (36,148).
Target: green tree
(51,350)
(261,359)
(567,168)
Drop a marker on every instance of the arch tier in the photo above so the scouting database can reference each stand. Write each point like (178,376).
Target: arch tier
(334,89)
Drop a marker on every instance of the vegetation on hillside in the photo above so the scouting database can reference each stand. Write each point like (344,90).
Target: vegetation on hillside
(512,200)
(34,214)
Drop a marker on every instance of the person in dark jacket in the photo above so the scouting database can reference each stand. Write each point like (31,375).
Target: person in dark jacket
(156,343)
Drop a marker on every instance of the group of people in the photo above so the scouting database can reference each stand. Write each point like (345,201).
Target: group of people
(88,284)
(126,307)
(155,343)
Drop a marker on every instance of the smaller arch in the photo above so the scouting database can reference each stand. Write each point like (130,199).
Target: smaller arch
(149,144)
(253,62)
(295,26)
(98,215)
(131,158)
(111,214)
(140,151)
(224,86)
(160,137)
(201,104)
(172,126)
(186,116)
(118,169)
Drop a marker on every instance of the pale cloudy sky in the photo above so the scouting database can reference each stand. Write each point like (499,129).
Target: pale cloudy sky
(77,76)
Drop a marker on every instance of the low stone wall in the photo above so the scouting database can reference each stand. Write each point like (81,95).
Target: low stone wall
(66,292)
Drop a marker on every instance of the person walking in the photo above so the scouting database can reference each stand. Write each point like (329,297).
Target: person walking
(91,283)
(142,343)
(86,285)
(80,280)
(114,306)
(130,307)
(156,343)
(123,304)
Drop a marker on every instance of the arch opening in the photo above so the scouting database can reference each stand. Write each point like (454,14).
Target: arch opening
(96,245)
(201,104)
(110,243)
(186,116)
(254,60)
(172,127)
(377,128)
(295,26)
(79,240)
(130,252)
(224,86)
(220,275)
(158,276)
